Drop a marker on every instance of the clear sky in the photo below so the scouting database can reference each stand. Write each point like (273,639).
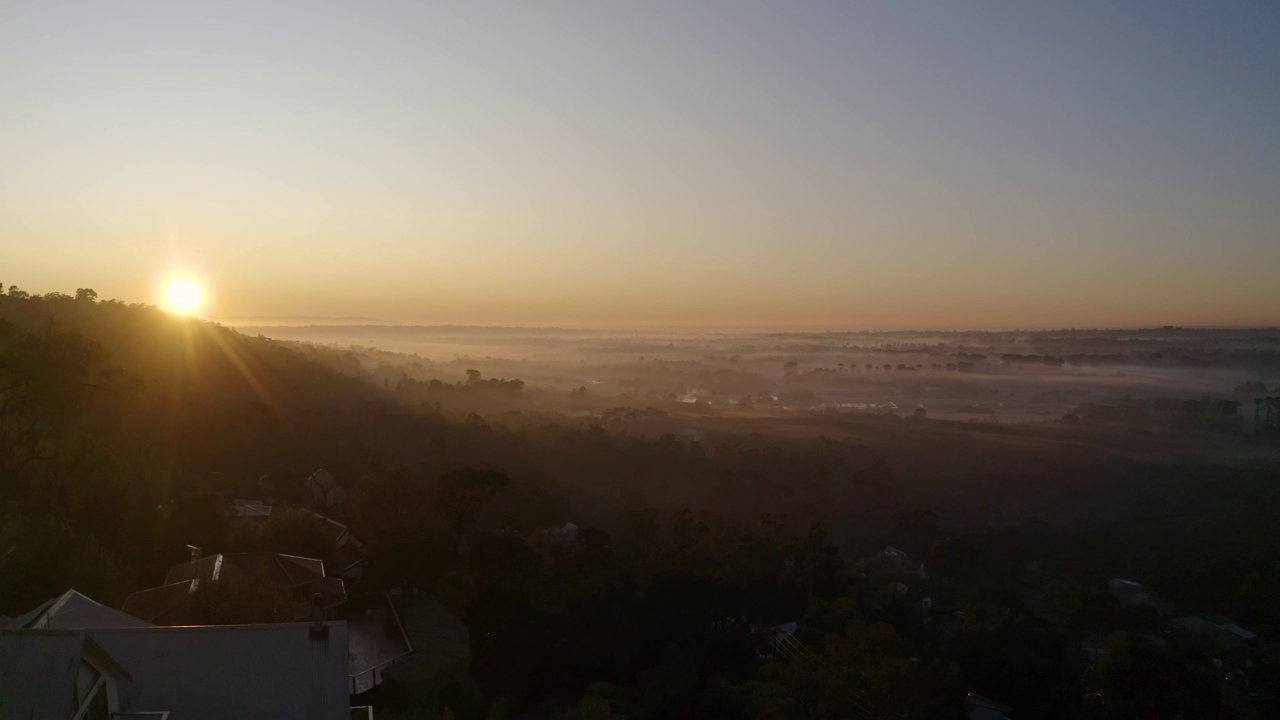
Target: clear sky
(812,164)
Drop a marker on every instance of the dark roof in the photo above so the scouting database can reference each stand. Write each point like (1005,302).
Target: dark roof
(206,568)
(286,570)
(376,639)
(347,549)
(325,491)
(323,478)
(977,707)
(38,670)
(250,508)
(163,605)
(234,671)
(330,527)
(1124,590)
(332,591)
(891,559)
(277,568)
(347,556)
(169,604)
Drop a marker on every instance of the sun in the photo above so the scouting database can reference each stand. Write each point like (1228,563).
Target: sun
(182,295)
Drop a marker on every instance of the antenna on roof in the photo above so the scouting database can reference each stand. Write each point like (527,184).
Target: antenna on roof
(318,630)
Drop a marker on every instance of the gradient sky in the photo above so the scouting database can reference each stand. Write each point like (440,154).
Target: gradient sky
(810,164)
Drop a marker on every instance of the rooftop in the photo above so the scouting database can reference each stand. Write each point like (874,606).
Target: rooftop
(277,568)
(376,638)
(163,605)
(196,673)
(234,671)
(72,610)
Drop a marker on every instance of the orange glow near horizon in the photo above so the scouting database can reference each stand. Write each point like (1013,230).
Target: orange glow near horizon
(866,170)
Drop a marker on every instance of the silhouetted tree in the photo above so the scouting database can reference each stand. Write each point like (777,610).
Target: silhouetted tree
(461,492)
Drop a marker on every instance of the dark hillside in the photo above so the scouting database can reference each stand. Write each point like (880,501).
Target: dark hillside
(111,411)
(126,432)
(188,395)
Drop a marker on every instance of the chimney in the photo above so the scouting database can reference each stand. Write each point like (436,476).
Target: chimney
(195,552)
(318,629)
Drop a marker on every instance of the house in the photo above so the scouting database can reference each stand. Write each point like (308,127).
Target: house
(295,670)
(1124,590)
(1221,636)
(890,560)
(164,605)
(267,671)
(348,551)
(72,610)
(1225,623)
(326,495)
(298,578)
(561,535)
(977,707)
(376,638)
(784,632)
(57,675)
(1131,593)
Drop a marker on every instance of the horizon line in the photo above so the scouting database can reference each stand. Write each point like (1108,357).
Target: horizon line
(718,329)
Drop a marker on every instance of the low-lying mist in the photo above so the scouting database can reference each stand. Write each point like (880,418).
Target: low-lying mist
(1006,377)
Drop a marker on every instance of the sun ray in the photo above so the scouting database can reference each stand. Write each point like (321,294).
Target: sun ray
(221,339)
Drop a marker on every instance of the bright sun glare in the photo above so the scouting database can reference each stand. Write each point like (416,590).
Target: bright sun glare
(182,295)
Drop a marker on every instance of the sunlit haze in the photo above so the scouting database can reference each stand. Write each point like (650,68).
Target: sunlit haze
(808,165)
